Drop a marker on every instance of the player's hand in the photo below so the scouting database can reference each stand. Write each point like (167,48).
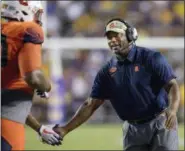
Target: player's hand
(49,136)
(171,119)
(60,130)
(42,94)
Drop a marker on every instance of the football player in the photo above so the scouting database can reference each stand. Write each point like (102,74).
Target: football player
(21,40)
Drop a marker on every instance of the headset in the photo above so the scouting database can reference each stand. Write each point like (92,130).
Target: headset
(131,32)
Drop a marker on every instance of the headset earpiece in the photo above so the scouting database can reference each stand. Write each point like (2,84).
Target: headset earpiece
(134,34)
(131,32)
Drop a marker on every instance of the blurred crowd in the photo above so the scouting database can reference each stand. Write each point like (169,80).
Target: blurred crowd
(88,18)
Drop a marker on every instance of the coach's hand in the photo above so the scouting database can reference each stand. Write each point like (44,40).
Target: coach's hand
(60,130)
(49,136)
(171,119)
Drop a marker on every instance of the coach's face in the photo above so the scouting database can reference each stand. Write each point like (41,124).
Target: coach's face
(117,42)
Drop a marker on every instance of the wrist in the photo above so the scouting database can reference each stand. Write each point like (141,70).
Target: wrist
(172,110)
(64,130)
(39,129)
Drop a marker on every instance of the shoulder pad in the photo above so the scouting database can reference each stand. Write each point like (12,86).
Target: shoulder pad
(33,33)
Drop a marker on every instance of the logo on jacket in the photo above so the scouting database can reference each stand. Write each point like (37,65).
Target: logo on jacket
(112,70)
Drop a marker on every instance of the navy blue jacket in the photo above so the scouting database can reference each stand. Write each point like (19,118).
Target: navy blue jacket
(135,86)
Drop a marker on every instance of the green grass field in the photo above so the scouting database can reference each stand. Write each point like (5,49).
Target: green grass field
(88,137)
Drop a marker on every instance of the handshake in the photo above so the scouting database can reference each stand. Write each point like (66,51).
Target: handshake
(52,135)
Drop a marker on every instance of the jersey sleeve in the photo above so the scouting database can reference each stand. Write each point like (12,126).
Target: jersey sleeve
(33,33)
(161,68)
(100,88)
(29,58)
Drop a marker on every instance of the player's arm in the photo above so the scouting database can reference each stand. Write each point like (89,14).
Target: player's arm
(30,59)
(83,114)
(30,67)
(33,123)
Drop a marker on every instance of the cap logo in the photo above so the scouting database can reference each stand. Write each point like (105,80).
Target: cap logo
(115,25)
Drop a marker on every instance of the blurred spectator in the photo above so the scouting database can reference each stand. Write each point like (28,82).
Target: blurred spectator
(87,18)
(79,90)
(52,29)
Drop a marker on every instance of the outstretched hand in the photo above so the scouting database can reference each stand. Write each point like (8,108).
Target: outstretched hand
(49,136)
